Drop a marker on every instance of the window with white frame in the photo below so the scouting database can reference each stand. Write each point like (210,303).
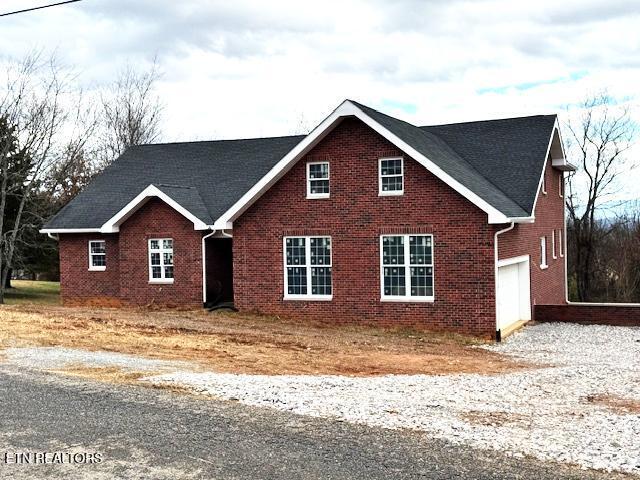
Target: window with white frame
(318,180)
(391,173)
(406,263)
(553,244)
(97,255)
(560,243)
(561,185)
(161,260)
(543,252)
(307,273)
(544,184)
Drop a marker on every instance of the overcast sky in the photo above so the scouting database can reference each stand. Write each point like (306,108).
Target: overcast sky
(236,69)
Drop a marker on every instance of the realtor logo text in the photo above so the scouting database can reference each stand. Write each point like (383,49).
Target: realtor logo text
(39,458)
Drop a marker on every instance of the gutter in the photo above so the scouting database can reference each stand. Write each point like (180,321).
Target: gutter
(495,271)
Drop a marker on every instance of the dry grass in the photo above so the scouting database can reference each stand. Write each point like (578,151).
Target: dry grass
(106,374)
(615,402)
(240,343)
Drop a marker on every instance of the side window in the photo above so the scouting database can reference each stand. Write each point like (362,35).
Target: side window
(406,264)
(544,183)
(553,244)
(307,268)
(161,260)
(318,180)
(543,252)
(97,255)
(560,250)
(391,176)
(561,185)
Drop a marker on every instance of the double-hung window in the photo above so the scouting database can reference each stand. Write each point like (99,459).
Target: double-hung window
(97,255)
(161,260)
(553,244)
(318,180)
(391,176)
(560,243)
(307,268)
(407,267)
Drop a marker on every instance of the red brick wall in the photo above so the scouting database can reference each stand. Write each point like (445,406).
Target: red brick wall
(126,278)
(78,284)
(157,220)
(355,217)
(547,285)
(590,314)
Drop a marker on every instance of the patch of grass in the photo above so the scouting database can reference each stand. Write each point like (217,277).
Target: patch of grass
(33,292)
(247,343)
(105,374)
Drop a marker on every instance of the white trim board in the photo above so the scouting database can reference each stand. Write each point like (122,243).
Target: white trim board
(113,224)
(349,109)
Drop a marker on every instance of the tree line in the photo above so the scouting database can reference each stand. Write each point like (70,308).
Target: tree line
(54,138)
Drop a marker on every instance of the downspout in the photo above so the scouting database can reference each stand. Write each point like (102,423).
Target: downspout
(53,236)
(204,266)
(225,234)
(495,271)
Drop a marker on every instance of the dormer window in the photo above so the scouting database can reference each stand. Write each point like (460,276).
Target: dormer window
(391,176)
(318,180)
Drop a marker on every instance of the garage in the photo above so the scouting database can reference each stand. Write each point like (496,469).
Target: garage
(514,304)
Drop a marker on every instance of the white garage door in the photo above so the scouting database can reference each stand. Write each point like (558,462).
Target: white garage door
(513,292)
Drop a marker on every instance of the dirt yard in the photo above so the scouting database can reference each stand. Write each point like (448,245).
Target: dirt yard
(240,343)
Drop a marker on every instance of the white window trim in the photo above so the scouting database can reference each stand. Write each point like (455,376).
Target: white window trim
(390,193)
(561,185)
(307,253)
(553,244)
(309,179)
(543,253)
(161,251)
(407,266)
(544,183)
(560,250)
(100,268)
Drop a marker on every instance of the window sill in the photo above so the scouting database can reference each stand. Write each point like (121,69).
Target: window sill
(544,267)
(407,299)
(311,196)
(161,282)
(97,269)
(392,193)
(316,298)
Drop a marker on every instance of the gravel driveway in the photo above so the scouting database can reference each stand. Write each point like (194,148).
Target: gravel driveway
(149,433)
(552,413)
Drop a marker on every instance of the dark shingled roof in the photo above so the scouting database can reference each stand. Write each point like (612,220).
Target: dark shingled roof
(501,161)
(218,174)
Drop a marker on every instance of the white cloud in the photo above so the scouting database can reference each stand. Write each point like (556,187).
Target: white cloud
(246,68)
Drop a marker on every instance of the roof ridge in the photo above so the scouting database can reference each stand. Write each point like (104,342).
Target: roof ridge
(490,120)
(215,141)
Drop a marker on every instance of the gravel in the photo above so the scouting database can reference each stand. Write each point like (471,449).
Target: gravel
(543,412)
(58,358)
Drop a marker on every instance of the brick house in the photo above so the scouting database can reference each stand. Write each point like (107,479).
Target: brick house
(367,219)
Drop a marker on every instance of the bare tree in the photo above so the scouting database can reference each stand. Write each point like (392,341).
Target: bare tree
(34,111)
(131,112)
(598,140)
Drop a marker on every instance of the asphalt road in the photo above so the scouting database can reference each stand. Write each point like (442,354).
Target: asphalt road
(148,433)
